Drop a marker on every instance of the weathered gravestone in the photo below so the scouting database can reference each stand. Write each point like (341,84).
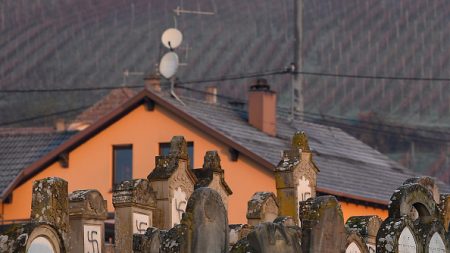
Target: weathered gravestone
(48,231)
(322,225)
(270,237)
(262,207)
(405,231)
(203,228)
(367,227)
(213,176)
(88,212)
(134,202)
(238,231)
(444,208)
(173,182)
(295,176)
(355,243)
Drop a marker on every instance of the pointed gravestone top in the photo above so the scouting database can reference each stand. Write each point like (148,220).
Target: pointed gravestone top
(178,148)
(212,161)
(300,141)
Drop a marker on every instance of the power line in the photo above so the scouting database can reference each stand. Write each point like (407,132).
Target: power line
(42,116)
(398,78)
(70,89)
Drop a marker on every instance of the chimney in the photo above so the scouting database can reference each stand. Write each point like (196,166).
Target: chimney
(262,107)
(211,94)
(60,125)
(153,82)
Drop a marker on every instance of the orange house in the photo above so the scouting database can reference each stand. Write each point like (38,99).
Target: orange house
(123,143)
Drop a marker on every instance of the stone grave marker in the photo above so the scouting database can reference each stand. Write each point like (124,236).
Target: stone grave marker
(355,243)
(49,229)
(406,230)
(134,202)
(262,207)
(87,212)
(322,225)
(367,227)
(213,176)
(444,208)
(173,182)
(296,176)
(270,237)
(203,228)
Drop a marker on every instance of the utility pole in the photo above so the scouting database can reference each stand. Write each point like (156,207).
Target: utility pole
(297,79)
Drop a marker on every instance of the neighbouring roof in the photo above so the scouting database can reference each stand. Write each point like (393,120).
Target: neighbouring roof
(348,167)
(19,149)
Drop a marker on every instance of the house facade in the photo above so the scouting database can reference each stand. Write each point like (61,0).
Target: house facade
(123,144)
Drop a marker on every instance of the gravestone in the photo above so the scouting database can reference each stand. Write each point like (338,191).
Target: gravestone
(444,208)
(238,231)
(134,202)
(407,231)
(270,237)
(88,211)
(295,176)
(203,228)
(48,230)
(213,176)
(428,183)
(434,237)
(367,227)
(173,182)
(322,225)
(262,207)
(355,243)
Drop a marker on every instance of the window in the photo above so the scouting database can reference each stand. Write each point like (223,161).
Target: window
(164,149)
(122,163)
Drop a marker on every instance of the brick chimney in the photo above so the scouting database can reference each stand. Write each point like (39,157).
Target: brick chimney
(153,82)
(262,107)
(211,94)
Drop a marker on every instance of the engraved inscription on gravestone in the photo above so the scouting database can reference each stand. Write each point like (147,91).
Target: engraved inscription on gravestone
(352,248)
(371,248)
(41,245)
(406,242)
(92,239)
(436,244)
(179,202)
(140,223)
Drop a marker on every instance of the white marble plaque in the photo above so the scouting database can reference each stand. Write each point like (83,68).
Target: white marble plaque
(140,223)
(436,244)
(179,203)
(352,248)
(406,242)
(92,239)
(303,189)
(40,245)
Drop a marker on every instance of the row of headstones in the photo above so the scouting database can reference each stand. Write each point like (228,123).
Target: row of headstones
(60,222)
(145,208)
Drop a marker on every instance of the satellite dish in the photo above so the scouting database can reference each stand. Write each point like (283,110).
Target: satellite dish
(168,65)
(171,38)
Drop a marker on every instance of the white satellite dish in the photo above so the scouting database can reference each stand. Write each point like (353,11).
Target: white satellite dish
(169,65)
(171,38)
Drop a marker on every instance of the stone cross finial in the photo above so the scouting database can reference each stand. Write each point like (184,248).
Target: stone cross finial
(212,161)
(300,141)
(178,147)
